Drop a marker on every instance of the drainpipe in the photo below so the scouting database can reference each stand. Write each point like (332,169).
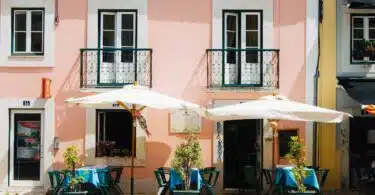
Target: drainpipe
(316,79)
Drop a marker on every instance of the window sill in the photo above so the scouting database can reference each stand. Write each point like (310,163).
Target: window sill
(26,57)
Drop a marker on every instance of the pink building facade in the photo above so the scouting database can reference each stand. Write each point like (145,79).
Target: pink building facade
(209,52)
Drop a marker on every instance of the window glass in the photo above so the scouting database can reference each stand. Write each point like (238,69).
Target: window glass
(20,41)
(284,139)
(20,21)
(252,22)
(117,137)
(37,21)
(127,22)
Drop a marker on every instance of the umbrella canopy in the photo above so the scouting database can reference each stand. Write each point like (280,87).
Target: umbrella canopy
(135,95)
(276,108)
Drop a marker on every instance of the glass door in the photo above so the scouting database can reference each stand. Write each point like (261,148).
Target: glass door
(118,64)
(26,148)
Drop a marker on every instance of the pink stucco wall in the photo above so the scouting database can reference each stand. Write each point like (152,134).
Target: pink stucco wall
(179,34)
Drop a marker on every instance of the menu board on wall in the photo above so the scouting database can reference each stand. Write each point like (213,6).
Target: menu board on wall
(183,121)
(28,140)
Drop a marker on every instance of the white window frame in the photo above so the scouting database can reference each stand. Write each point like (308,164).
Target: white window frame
(118,29)
(244,30)
(365,28)
(28,31)
(12,181)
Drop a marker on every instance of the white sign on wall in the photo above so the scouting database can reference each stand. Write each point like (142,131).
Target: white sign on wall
(183,121)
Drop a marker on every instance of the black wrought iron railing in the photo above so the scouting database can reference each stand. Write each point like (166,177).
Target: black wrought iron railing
(242,68)
(115,67)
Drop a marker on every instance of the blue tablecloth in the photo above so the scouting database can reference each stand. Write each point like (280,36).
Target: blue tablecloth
(310,180)
(175,179)
(90,174)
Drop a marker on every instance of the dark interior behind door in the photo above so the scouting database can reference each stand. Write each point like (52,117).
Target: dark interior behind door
(241,148)
(361,145)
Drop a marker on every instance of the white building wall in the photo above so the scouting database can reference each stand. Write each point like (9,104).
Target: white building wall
(344,67)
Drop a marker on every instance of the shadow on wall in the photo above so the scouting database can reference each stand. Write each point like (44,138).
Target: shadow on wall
(157,154)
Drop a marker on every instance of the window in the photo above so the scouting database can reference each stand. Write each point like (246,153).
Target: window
(113,126)
(362,30)
(117,31)
(28,31)
(284,139)
(242,30)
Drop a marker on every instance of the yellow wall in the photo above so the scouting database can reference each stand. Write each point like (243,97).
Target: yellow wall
(328,156)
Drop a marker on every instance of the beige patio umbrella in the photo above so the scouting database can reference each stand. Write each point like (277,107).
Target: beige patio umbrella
(139,98)
(275,108)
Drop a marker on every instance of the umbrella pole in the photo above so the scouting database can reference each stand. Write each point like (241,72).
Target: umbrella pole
(133,111)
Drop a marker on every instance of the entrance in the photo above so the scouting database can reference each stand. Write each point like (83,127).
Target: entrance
(242,147)
(26,148)
(361,146)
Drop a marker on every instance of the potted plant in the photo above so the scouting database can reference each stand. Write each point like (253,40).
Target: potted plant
(364,48)
(186,157)
(297,156)
(71,159)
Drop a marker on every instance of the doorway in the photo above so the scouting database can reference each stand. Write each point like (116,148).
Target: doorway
(361,146)
(26,147)
(242,147)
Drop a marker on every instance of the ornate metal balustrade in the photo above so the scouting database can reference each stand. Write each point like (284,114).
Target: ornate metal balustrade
(243,68)
(115,67)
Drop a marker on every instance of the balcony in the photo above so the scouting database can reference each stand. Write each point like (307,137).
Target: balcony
(115,67)
(243,68)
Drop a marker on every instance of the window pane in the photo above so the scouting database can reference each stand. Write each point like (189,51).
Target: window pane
(231,22)
(37,21)
(231,57)
(284,139)
(231,39)
(127,38)
(36,42)
(109,38)
(20,21)
(371,22)
(119,134)
(127,21)
(108,56)
(251,22)
(358,22)
(371,33)
(251,39)
(127,56)
(357,50)
(20,42)
(109,22)
(358,33)
(252,56)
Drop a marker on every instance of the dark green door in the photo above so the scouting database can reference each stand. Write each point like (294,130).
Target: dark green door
(242,147)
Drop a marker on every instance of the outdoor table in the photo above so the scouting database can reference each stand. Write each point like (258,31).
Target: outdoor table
(90,174)
(175,179)
(310,180)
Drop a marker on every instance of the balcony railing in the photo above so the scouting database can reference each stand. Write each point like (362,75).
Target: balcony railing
(243,68)
(115,67)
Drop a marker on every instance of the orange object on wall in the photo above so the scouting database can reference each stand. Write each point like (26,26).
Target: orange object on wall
(370,109)
(46,88)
